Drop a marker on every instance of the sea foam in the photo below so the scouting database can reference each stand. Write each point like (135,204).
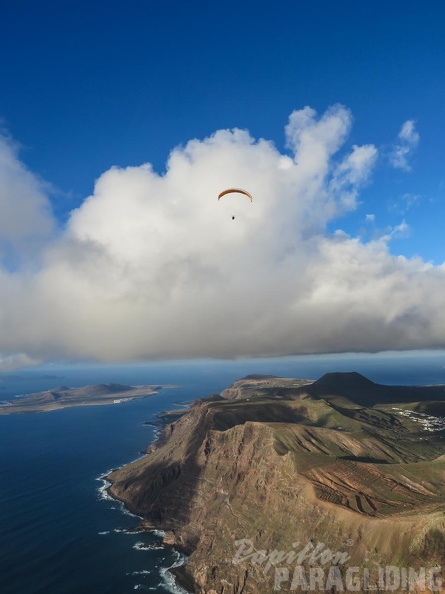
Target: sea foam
(168,579)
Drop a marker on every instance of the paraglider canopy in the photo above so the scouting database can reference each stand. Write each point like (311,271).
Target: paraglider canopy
(235,191)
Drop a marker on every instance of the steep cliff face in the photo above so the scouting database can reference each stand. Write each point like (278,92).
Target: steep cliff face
(264,473)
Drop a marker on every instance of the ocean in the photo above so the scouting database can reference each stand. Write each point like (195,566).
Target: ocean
(59,532)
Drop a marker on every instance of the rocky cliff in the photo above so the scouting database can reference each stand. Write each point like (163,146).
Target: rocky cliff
(292,466)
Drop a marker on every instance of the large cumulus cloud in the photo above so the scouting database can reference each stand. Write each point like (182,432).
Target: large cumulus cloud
(153,266)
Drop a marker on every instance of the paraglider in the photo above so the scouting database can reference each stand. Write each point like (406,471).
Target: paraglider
(235,191)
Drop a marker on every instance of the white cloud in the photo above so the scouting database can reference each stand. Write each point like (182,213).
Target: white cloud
(400,230)
(25,212)
(408,200)
(11,362)
(407,141)
(153,266)
(352,173)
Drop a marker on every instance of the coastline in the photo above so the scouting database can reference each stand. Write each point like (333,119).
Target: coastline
(174,576)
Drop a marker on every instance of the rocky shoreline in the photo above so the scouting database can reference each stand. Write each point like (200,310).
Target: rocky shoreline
(166,418)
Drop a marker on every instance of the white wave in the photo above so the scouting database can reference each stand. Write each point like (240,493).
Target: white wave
(142,546)
(169,580)
(103,489)
(126,511)
(105,496)
(128,530)
(105,532)
(159,533)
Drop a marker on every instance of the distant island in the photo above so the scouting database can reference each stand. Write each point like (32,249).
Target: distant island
(64,397)
(341,465)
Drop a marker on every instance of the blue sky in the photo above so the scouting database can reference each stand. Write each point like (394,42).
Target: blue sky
(88,86)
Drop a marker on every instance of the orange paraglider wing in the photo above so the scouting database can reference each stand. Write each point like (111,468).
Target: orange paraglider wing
(237,191)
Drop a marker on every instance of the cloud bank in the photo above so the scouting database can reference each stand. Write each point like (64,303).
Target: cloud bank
(153,266)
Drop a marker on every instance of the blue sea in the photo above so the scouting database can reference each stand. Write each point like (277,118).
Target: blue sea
(59,533)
